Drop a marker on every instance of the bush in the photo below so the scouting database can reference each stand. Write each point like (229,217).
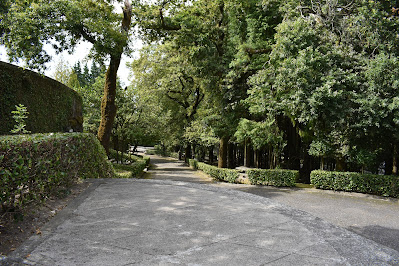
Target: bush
(273,177)
(222,174)
(136,164)
(131,170)
(126,156)
(193,163)
(356,182)
(33,167)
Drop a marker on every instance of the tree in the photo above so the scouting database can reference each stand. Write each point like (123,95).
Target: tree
(316,78)
(169,77)
(63,23)
(63,72)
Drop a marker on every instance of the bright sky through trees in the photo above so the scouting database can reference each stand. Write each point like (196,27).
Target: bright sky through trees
(80,55)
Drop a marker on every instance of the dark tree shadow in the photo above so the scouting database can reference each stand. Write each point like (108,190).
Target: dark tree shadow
(383,235)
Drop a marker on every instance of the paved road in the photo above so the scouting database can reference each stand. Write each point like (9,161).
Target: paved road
(376,218)
(180,217)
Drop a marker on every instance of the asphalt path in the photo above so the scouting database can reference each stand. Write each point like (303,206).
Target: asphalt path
(373,217)
(178,216)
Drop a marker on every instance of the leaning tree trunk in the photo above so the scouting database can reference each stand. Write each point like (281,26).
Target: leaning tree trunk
(108,106)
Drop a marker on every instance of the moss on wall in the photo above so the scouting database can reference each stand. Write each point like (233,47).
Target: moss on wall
(52,106)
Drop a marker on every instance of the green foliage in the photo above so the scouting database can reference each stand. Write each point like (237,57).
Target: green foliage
(131,166)
(260,133)
(91,98)
(62,24)
(20,114)
(52,106)
(131,170)
(193,163)
(38,165)
(364,183)
(273,177)
(221,174)
(201,133)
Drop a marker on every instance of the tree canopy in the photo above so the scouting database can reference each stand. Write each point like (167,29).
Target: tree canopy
(298,84)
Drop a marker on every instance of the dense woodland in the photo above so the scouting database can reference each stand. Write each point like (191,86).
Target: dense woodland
(293,84)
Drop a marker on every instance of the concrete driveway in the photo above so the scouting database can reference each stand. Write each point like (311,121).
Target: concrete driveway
(181,217)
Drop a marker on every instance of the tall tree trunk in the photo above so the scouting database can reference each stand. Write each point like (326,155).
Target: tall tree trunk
(230,156)
(340,164)
(258,159)
(222,162)
(195,152)
(180,153)
(188,152)
(293,145)
(108,106)
(247,154)
(211,155)
(235,155)
(304,172)
(395,160)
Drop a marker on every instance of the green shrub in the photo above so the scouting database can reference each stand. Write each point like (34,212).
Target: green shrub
(356,182)
(19,115)
(273,177)
(33,167)
(193,163)
(126,156)
(132,170)
(222,174)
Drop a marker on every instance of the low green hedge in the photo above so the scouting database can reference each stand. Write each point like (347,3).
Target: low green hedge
(131,170)
(136,164)
(273,177)
(193,163)
(356,182)
(33,167)
(128,157)
(222,174)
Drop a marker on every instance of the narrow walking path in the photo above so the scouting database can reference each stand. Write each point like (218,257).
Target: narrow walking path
(180,217)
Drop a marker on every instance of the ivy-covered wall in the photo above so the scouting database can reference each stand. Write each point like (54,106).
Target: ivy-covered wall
(52,106)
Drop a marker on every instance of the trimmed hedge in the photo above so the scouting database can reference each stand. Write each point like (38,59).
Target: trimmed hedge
(273,177)
(127,157)
(193,163)
(222,174)
(356,182)
(133,169)
(52,106)
(33,167)
(130,170)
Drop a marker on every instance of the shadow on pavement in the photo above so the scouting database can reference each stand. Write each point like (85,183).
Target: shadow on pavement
(172,169)
(383,235)
(268,192)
